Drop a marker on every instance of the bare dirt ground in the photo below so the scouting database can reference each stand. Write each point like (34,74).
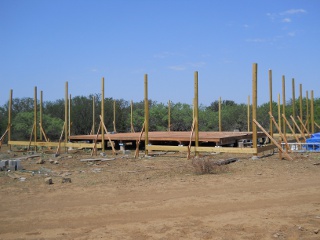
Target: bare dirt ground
(161,197)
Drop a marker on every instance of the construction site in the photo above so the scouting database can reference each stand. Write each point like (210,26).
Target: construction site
(261,183)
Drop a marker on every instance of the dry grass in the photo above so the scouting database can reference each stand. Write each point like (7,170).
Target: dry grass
(206,165)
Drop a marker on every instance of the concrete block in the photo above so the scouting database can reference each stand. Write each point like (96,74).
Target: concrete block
(2,165)
(12,165)
(5,162)
(18,164)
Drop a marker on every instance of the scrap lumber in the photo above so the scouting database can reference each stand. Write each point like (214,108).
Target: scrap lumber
(28,157)
(226,161)
(97,159)
(273,140)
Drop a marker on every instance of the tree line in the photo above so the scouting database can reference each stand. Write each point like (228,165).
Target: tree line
(234,116)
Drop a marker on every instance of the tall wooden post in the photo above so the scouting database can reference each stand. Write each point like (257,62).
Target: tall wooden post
(114,116)
(284,128)
(41,113)
(300,100)
(220,121)
(169,116)
(248,114)
(293,104)
(102,113)
(146,114)
(69,124)
(9,116)
(131,116)
(196,112)
(312,112)
(279,113)
(254,104)
(270,102)
(307,111)
(66,116)
(35,118)
(93,115)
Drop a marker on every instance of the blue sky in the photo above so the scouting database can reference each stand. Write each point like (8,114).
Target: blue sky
(45,43)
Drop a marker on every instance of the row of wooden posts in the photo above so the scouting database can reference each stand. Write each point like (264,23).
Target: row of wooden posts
(195,127)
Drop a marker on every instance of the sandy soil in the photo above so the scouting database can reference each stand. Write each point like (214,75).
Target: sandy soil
(161,197)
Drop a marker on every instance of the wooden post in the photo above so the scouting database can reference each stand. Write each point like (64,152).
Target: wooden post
(270,102)
(169,116)
(293,103)
(69,114)
(146,114)
(220,122)
(66,117)
(93,115)
(102,113)
(254,104)
(248,114)
(41,114)
(196,112)
(300,100)
(307,111)
(114,116)
(35,118)
(284,126)
(131,120)
(312,112)
(9,117)
(279,112)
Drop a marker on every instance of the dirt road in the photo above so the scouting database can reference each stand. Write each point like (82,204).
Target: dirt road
(162,198)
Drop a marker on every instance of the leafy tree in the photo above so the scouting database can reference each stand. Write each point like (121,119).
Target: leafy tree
(158,117)
(234,116)
(181,117)
(22,126)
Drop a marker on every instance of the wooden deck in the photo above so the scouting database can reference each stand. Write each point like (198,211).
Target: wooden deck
(216,138)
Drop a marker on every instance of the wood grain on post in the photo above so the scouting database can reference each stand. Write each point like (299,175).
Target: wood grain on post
(293,103)
(284,126)
(146,114)
(196,112)
(270,102)
(254,104)
(312,112)
(102,113)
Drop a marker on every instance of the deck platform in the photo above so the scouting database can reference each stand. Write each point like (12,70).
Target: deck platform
(213,138)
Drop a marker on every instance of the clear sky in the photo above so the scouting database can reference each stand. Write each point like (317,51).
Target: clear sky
(45,43)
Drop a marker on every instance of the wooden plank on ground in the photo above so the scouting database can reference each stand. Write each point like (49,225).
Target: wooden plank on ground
(97,159)
(266,148)
(201,149)
(55,144)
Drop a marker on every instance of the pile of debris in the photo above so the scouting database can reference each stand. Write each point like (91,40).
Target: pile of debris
(12,165)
